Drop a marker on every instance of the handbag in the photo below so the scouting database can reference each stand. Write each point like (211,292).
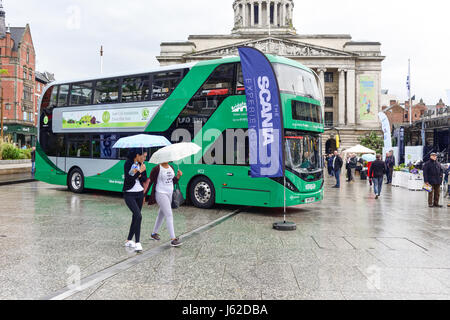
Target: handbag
(428,188)
(177,197)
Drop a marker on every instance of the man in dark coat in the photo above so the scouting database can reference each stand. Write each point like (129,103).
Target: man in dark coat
(433,174)
(350,165)
(377,171)
(337,166)
(390,163)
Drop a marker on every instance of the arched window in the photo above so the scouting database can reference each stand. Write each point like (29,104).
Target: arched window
(28,55)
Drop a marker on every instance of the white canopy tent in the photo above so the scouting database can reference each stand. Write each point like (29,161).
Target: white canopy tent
(359,149)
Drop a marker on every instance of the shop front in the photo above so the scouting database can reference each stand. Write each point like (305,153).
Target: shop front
(23,135)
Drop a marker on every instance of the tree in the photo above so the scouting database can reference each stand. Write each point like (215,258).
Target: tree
(372,141)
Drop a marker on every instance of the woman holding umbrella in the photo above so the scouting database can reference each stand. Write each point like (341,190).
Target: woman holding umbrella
(135,176)
(162,177)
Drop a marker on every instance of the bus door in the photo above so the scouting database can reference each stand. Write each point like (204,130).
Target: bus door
(61,155)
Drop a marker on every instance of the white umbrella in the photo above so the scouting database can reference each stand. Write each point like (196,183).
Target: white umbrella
(360,149)
(175,152)
(141,141)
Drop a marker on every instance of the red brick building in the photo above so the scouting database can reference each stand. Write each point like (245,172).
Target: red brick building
(400,114)
(18,58)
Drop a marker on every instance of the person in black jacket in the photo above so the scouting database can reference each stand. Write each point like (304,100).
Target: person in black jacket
(337,166)
(377,171)
(133,189)
(433,174)
(350,165)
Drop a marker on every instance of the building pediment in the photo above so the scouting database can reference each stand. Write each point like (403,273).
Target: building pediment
(270,45)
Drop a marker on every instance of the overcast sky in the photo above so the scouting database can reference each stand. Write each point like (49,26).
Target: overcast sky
(67,34)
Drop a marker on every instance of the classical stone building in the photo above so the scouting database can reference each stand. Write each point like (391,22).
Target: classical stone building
(350,71)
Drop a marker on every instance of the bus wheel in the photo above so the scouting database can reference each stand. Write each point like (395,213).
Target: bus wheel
(202,193)
(76,181)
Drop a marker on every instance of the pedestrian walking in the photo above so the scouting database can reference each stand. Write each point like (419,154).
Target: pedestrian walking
(433,175)
(133,189)
(162,178)
(350,165)
(337,166)
(329,160)
(33,161)
(369,164)
(377,171)
(390,163)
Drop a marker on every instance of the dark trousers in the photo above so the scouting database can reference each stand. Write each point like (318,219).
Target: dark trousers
(134,201)
(330,171)
(433,196)
(349,174)
(389,173)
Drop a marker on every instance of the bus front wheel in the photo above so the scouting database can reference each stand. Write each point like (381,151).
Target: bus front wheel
(76,181)
(202,193)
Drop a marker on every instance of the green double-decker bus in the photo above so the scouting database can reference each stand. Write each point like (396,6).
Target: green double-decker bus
(204,103)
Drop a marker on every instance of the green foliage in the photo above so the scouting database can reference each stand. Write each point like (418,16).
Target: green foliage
(10,152)
(372,141)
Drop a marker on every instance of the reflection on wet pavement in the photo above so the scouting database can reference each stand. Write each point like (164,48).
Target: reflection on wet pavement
(350,246)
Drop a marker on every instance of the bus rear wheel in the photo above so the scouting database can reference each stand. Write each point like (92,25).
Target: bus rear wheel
(76,181)
(202,193)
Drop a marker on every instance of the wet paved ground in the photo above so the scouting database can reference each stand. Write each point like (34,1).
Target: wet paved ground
(350,246)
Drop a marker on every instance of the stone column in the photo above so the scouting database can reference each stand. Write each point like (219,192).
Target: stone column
(341,105)
(321,72)
(260,14)
(275,14)
(244,14)
(252,14)
(351,99)
(283,14)
(268,13)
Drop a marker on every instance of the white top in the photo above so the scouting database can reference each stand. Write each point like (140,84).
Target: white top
(165,180)
(137,185)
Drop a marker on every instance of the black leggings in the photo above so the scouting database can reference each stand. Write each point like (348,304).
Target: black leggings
(134,201)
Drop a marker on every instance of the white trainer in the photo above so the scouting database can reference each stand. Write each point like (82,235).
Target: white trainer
(130,244)
(138,247)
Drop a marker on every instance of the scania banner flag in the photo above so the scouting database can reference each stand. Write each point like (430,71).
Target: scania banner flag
(264,114)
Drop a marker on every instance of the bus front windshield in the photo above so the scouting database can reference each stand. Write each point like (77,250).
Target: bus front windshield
(303,153)
(296,81)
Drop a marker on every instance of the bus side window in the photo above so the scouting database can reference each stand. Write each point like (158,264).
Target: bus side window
(136,89)
(240,88)
(81,94)
(106,91)
(63,95)
(164,84)
(219,83)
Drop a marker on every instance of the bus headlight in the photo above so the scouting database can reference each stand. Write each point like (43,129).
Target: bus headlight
(289,184)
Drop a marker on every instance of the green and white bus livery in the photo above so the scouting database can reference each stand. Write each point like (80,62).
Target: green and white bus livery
(200,102)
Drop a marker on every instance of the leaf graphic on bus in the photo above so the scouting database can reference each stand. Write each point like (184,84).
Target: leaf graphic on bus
(106,117)
(145,113)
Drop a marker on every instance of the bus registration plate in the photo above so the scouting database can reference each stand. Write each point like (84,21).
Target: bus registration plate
(310,200)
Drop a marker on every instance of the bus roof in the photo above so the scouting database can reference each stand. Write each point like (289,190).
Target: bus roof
(272,59)
(122,74)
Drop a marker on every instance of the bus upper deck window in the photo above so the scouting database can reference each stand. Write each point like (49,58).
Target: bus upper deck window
(164,84)
(136,89)
(63,95)
(106,91)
